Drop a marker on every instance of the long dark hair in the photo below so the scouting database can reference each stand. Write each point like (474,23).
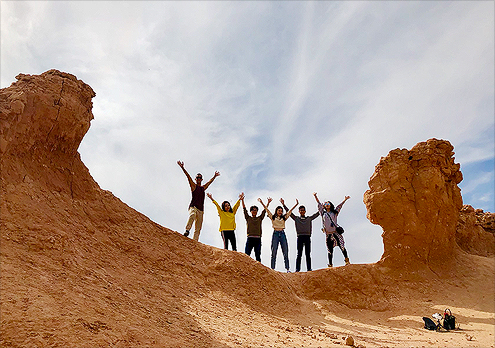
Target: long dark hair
(281,216)
(332,208)
(223,206)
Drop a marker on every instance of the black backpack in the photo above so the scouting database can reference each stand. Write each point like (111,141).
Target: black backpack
(448,320)
(429,324)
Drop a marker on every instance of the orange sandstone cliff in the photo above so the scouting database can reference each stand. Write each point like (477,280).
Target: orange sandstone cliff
(414,196)
(81,268)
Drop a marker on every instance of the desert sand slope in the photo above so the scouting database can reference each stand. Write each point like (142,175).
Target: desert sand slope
(79,268)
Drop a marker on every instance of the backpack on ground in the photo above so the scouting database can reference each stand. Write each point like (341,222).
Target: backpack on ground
(448,320)
(430,324)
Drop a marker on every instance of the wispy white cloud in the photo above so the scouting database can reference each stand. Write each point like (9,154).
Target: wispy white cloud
(480,179)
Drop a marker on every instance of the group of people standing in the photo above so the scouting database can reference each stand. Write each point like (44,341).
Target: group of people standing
(303,224)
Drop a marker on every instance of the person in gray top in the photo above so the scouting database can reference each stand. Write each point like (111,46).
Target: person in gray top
(303,230)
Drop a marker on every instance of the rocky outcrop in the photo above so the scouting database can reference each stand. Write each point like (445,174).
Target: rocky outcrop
(54,108)
(413,195)
(475,231)
(43,120)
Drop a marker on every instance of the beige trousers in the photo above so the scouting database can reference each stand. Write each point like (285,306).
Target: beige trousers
(196,216)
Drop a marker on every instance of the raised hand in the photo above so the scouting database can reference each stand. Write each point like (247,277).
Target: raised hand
(316,197)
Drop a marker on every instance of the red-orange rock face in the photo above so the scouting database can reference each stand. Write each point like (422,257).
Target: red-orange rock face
(43,120)
(414,196)
(475,232)
(54,108)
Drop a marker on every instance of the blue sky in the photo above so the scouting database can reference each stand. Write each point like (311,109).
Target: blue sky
(283,98)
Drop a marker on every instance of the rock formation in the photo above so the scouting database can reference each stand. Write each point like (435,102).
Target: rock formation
(475,231)
(81,268)
(414,196)
(44,119)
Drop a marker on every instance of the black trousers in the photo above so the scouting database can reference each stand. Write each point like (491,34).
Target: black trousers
(303,242)
(254,242)
(226,236)
(330,248)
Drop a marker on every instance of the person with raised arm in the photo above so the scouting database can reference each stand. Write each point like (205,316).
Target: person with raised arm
(196,207)
(227,220)
(279,237)
(253,227)
(303,231)
(329,216)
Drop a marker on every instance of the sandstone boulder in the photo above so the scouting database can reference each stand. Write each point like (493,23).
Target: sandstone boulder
(43,120)
(475,231)
(413,195)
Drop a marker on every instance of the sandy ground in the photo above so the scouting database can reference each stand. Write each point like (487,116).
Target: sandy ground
(125,302)
(324,324)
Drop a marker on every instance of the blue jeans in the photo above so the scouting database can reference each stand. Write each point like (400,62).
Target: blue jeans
(279,237)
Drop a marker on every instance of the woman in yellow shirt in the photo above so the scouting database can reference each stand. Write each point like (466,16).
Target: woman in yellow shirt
(227,220)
